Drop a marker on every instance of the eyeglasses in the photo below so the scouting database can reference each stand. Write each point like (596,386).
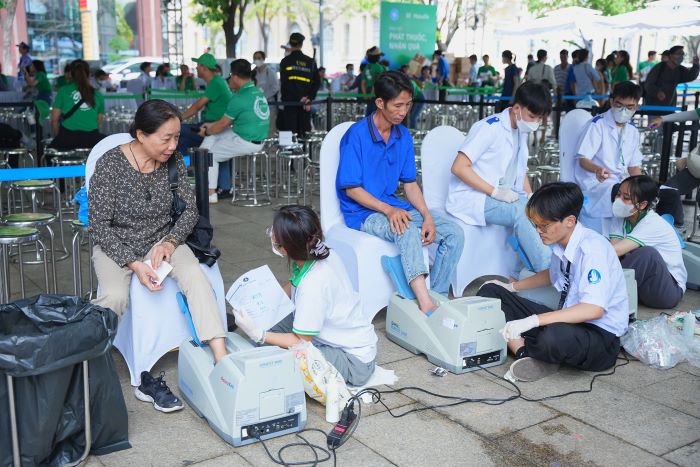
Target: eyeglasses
(543,228)
(619,105)
(268,232)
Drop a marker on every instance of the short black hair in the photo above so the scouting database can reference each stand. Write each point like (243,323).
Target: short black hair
(473,57)
(508,54)
(535,97)
(666,53)
(555,202)
(298,230)
(563,52)
(485,56)
(529,56)
(541,54)
(583,54)
(390,84)
(322,68)
(651,52)
(438,52)
(145,65)
(574,54)
(642,188)
(626,89)
(349,65)
(261,53)
(241,68)
(39,65)
(100,73)
(424,67)
(674,49)
(151,115)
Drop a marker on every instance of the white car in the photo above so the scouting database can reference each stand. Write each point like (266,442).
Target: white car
(127,69)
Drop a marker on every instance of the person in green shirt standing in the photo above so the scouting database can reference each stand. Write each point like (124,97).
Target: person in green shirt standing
(64,78)
(37,79)
(645,67)
(78,111)
(370,75)
(185,82)
(242,128)
(486,73)
(622,70)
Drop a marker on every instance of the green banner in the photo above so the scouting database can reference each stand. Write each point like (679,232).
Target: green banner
(406,29)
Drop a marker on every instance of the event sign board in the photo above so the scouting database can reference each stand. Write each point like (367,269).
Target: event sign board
(406,29)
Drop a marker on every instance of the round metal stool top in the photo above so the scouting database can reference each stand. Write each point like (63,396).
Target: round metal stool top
(292,147)
(78,224)
(61,153)
(11,235)
(68,161)
(33,184)
(548,168)
(28,219)
(16,151)
(254,153)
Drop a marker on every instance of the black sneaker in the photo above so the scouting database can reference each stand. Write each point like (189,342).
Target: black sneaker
(156,391)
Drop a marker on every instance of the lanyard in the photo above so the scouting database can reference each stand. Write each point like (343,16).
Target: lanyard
(565,288)
(620,141)
(299,273)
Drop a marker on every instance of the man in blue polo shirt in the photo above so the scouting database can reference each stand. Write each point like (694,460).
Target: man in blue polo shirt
(376,154)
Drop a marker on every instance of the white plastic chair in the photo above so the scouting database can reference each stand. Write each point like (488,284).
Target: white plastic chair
(361,252)
(152,325)
(486,250)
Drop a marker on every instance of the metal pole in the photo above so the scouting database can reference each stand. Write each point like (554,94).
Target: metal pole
(329,110)
(13,421)
(202,162)
(667,129)
(39,135)
(320,33)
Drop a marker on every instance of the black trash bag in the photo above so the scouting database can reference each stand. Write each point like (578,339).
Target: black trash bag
(43,341)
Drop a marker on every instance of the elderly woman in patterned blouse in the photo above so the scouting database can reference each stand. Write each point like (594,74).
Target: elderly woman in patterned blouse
(130,222)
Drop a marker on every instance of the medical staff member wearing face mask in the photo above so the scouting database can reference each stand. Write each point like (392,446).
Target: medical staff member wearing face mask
(265,78)
(327,309)
(490,185)
(608,153)
(648,244)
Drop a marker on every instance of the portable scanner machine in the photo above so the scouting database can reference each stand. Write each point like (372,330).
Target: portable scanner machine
(460,336)
(253,392)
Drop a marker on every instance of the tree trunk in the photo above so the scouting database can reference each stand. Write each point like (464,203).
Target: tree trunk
(230,36)
(6,27)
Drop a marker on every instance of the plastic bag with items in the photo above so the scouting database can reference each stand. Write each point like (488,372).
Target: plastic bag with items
(659,344)
(81,198)
(316,372)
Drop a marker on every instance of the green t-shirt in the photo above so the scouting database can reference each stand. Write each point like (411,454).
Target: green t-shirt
(61,81)
(250,113)
(619,74)
(644,68)
(42,82)
(486,73)
(189,84)
(218,94)
(83,119)
(416,89)
(371,73)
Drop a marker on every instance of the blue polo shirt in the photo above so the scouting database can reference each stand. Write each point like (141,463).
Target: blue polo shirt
(367,161)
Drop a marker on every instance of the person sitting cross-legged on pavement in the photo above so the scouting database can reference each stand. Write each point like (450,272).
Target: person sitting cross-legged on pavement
(490,185)
(376,154)
(243,127)
(584,331)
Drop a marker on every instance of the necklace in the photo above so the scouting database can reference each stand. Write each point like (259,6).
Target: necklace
(141,175)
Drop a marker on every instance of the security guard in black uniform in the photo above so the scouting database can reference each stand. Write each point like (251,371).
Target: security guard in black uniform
(299,82)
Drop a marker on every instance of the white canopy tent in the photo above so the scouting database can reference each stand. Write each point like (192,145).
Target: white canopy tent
(570,19)
(682,17)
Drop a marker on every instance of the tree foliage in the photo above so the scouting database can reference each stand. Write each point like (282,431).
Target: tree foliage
(230,14)
(608,7)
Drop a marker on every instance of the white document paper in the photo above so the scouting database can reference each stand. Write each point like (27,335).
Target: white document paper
(261,296)
(162,271)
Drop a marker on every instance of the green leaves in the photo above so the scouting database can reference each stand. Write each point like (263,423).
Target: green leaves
(608,7)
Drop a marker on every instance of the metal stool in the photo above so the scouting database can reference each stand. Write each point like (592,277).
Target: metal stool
(288,155)
(70,185)
(312,146)
(80,233)
(36,220)
(17,236)
(251,193)
(535,179)
(550,174)
(20,153)
(33,187)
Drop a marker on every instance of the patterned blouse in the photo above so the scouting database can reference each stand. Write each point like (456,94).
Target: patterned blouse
(123,222)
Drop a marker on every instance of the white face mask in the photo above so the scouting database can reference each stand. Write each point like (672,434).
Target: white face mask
(275,250)
(622,210)
(526,127)
(622,115)
(258,62)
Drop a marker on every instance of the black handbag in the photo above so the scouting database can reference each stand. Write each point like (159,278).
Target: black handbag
(202,234)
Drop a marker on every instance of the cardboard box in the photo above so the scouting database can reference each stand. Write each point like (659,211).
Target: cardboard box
(462,64)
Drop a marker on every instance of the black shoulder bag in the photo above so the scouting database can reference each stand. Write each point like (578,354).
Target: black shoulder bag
(200,239)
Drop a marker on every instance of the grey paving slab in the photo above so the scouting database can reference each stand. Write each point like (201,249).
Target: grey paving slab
(687,456)
(637,375)
(642,422)
(226,460)
(392,401)
(682,393)
(488,420)
(565,441)
(427,438)
(688,368)
(93,461)
(387,351)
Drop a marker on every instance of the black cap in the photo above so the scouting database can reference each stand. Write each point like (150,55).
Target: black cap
(296,39)
(374,51)
(23,44)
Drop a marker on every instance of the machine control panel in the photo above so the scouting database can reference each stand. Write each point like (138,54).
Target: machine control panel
(273,426)
(483,359)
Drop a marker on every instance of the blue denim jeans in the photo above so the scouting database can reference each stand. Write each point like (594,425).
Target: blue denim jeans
(449,239)
(513,215)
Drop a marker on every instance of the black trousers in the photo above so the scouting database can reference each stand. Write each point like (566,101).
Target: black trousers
(583,345)
(670,200)
(294,119)
(656,287)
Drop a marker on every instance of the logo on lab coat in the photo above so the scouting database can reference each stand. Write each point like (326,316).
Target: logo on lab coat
(593,276)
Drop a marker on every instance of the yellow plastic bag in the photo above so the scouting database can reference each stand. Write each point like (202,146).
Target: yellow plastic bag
(316,371)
